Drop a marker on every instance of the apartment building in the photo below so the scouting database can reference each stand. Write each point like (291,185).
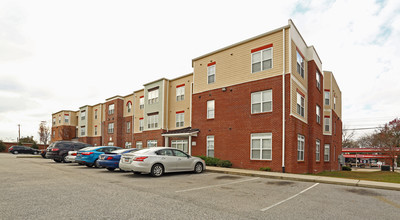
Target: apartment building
(64,125)
(262,102)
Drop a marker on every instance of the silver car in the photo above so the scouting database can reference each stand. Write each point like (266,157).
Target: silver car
(160,160)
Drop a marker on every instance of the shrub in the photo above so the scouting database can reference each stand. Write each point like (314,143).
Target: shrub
(224,163)
(35,146)
(2,146)
(346,168)
(265,168)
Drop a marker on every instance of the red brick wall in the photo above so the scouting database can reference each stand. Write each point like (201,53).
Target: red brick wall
(95,141)
(63,133)
(117,119)
(149,135)
(9,144)
(127,136)
(233,123)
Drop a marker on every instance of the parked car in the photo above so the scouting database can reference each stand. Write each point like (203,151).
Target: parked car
(160,160)
(110,161)
(58,150)
(23,150)
(70,158)
(89,156)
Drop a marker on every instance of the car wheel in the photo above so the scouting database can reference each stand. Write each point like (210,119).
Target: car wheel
(136,173)
(96,164)
(15,152)
(157,170)
(58,161)
(198,168)
(63,159)
(110,169)
(89,165)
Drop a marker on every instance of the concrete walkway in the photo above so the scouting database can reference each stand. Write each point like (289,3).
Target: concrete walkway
(306,178)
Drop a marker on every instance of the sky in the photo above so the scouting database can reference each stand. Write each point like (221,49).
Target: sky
(61,55)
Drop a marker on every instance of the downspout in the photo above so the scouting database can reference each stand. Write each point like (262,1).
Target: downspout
(283,104)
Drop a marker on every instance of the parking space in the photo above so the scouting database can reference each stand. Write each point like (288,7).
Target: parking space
(57,190)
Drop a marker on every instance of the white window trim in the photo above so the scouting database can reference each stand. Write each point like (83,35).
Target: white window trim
(177,143)
(317,150)
(210,138)
(301,107)
(261,137)
(260,51)
(318,113)
(211,110)
(301,67)
(141,103)
(111,108)
(300,148)
(180,120)
(327,152)
(261,101)
(110,128)
(215,73)
(180,93)
(150,142)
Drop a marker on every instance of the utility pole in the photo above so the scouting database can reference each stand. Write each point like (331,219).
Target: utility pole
(19,132)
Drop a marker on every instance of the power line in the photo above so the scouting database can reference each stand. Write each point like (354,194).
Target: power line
(356,129)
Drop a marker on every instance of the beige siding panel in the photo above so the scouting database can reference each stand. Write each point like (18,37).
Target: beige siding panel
(296,87)
(175,106)
(302,80)
(96,122)
(138,113)
(233,66)
(126,100)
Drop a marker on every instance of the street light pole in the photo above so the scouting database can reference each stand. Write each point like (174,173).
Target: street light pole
(19,132)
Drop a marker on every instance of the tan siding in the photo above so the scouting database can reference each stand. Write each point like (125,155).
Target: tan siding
(96,122)
(233,66)
(296,87)
(175,105)
(302,80)
(126,100)
(138,113)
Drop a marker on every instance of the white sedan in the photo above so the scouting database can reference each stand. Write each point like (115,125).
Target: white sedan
(160,160)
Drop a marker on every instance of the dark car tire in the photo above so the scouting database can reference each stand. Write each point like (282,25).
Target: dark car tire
(57,161)
(89,165)
(63,159)
(157,170)
(110,169)
(136,173)
(198,168)
(96,164)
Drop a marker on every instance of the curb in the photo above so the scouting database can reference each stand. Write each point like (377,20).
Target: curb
(316,179)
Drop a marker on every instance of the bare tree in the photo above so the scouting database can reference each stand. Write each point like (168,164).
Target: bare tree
(387,139)
(347,138)
(44,132)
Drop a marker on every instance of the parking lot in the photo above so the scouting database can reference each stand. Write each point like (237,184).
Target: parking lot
(36,188)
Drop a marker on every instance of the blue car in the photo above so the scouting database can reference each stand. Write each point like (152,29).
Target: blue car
(89,156)
(111,160)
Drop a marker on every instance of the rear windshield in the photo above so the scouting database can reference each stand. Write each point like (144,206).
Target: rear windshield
(144,151)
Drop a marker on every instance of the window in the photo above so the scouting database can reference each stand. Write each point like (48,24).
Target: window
(66,118)
(300,64)
(300,147)
(326,152)
(180,119)
(211,73)
(111,128)
(139,145)
(318,113)
(180,93)
(153,96)
(327,98)
(95,114)
(210,146)
(261,101)
(110,143)
(83,129)
(318,76)
(261,59)
(54,134)
(152,121)
(300,104)
(83,115)
(129,106)
(141,102)
(95,130)
(128,144)
(128,127)
(54,121)
(210,109)
(261,146)
(141,124)
(151,143)
(59,119)
(180,145)
(317,150)
(334,101)
(327,125)
(111,109)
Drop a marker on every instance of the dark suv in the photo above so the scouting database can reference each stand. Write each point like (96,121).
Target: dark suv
(59,149)
(22,150)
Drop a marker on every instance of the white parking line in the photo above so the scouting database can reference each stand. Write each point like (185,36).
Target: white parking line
(206,187)
(265,209)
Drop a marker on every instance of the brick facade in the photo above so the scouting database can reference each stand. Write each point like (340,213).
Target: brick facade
(117,119)
(64,132)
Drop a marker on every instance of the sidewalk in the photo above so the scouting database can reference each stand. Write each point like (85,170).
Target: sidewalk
(306,178)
